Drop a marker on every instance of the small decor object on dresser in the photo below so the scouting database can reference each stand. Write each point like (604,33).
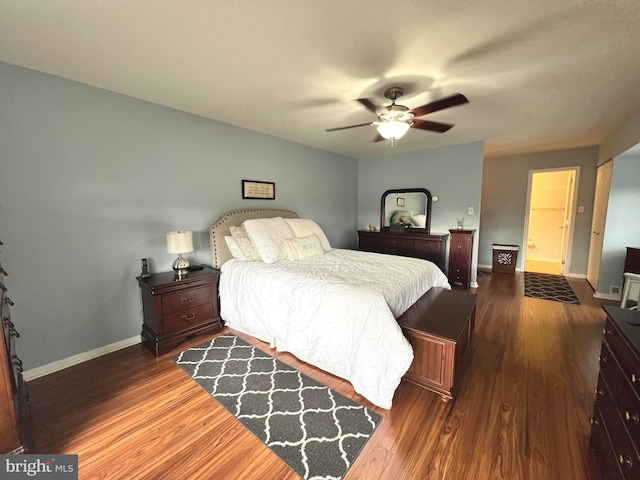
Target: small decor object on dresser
(178,308)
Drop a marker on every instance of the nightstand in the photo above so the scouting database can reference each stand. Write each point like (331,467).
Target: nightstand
(176,309)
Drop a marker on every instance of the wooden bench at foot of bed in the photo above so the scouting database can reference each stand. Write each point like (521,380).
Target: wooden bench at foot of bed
(439,327)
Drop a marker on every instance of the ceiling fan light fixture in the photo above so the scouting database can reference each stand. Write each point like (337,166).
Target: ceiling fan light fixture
(393,129)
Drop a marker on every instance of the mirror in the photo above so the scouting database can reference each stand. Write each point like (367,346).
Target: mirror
(407,206)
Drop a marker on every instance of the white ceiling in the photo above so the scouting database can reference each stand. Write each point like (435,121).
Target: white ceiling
(540,75)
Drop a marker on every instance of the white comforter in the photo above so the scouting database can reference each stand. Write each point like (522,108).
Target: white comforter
(336,311)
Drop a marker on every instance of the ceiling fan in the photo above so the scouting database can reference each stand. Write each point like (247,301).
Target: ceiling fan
(395,120)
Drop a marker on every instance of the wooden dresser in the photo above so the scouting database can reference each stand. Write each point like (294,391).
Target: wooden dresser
(176,309)
(460,256)
(615,430)
(15,431)
(413,242)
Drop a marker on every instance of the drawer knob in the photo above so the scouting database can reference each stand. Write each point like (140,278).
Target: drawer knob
(635,417)
(634,379)
(603,359)
(594,422)
(187,300)
(599,392)
(186,318)
(625,461)
(607,332)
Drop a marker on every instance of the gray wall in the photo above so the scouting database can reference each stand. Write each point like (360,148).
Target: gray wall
(622,228)
(504,201)
(90,183)
(452,173)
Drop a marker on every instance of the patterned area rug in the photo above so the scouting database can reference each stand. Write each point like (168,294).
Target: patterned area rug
(549,287)
(315,430)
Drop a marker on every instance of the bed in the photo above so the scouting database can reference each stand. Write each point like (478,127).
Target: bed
(334,309)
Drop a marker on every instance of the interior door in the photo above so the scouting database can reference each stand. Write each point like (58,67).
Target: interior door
(598,221)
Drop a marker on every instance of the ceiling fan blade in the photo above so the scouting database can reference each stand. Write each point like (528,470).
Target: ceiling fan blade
(430,126)
(350,126)
(369,105)
(452,101)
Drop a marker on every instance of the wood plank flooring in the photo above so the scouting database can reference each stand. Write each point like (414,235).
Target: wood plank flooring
(523,411)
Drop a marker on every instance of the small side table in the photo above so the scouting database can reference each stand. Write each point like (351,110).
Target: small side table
(178,308)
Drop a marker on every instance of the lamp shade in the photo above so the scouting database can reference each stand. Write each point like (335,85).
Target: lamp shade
(393,129)
(180,242)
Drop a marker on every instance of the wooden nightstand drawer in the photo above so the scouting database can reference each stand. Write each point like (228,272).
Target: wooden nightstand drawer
(186,299)
(188,317)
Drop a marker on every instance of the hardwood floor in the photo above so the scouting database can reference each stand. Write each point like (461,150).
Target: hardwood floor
(523,411)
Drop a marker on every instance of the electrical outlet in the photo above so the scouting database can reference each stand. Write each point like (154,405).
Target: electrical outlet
(614,289)
(580,209)
(470,210)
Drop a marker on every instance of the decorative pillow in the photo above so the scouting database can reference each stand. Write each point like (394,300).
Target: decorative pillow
(268,236)
(303,227)
(239,234)
(304,247)
(234,248)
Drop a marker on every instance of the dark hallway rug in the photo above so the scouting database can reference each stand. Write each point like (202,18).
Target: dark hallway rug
(549,287)
(313,429)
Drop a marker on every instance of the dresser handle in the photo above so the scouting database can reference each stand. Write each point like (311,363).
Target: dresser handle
(603,359)
(8,301)
(3,272)
(634,379)
(607,332)
(187,300)
(595,422)
(3,288)
(627,460)
(599,392)
(185,318)
(635,417)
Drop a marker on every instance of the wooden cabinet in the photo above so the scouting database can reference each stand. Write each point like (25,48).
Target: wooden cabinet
(410,243)
(178,308)
(615,430)
(439,327)
(460,256)
(15,432)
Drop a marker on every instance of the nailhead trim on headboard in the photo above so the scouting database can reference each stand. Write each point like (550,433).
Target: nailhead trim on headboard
(219,251)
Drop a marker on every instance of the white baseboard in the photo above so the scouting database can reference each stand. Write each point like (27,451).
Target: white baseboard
(608,296)
(81,357)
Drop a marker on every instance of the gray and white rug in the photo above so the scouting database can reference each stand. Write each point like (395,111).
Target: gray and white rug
(315,430)
(549,287)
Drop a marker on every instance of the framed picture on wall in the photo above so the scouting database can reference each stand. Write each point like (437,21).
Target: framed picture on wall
(258,190)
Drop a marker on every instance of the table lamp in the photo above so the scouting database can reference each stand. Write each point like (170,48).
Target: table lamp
(180,242)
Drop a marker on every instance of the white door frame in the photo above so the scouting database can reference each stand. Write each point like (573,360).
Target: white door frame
(573,202)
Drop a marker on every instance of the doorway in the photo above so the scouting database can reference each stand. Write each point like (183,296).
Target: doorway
(549,220)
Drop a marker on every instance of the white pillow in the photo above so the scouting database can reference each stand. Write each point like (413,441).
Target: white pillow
(303,227)
(268,236)
(239,234)
(305,247)
(234,248)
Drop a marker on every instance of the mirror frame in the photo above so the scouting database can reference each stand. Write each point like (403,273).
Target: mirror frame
(427,228)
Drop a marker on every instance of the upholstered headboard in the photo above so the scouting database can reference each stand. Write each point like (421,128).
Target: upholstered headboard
(219,251)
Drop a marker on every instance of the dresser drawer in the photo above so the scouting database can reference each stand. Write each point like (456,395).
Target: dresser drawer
(600,441)
(628,359)
(185,318)
(186,299)
(625,452)
(625,395)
